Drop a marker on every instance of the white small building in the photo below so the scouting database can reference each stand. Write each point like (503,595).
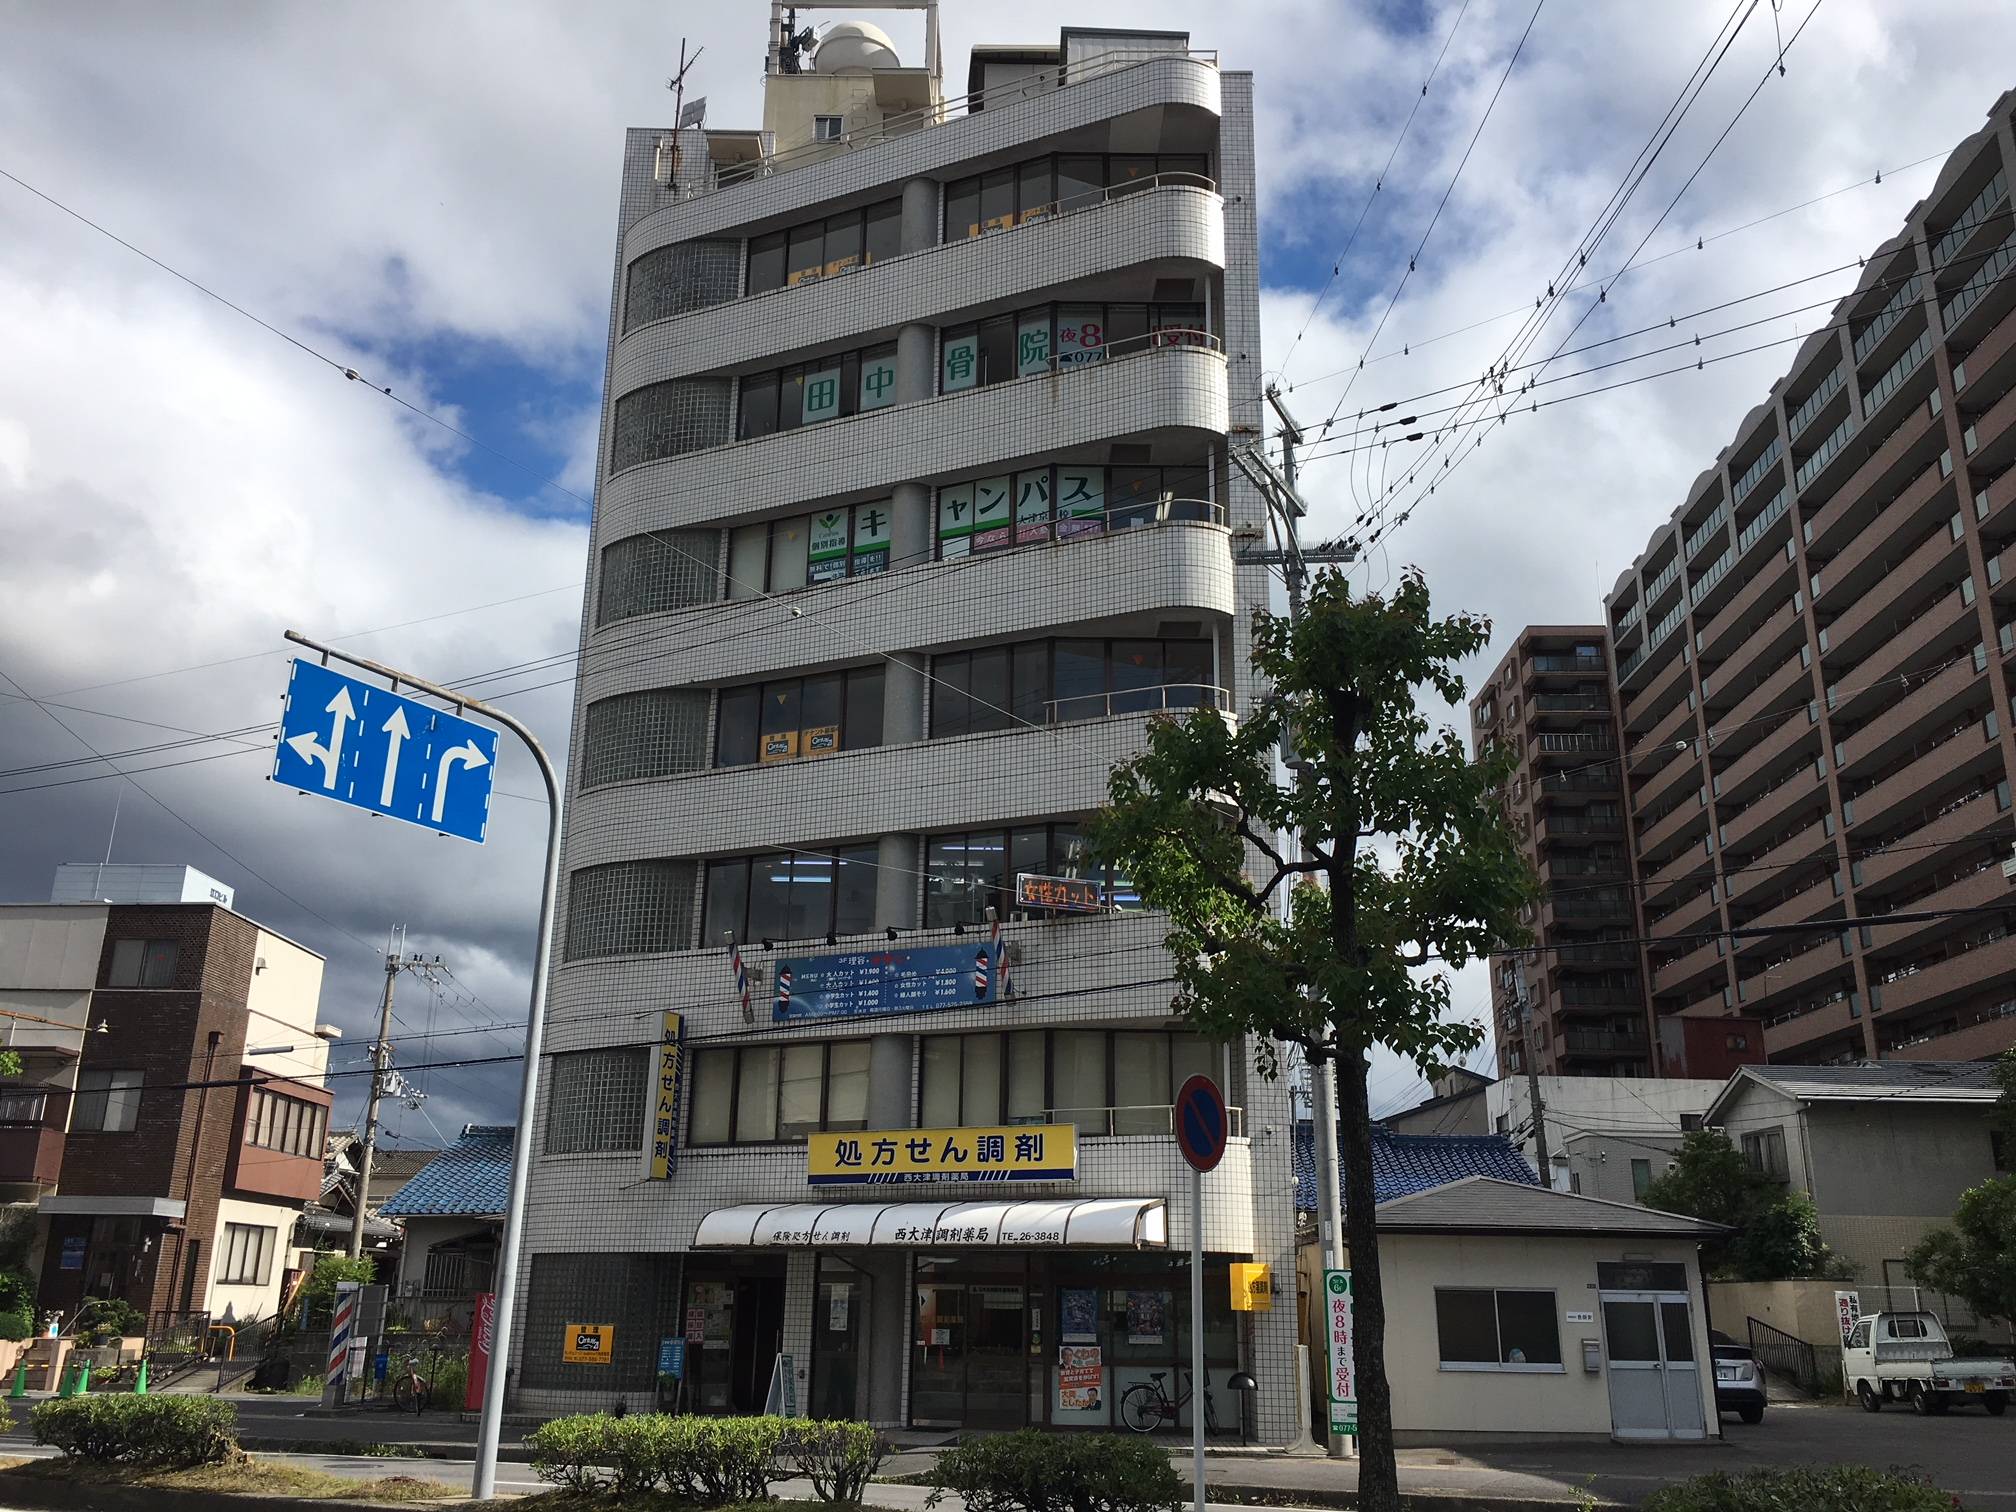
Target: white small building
(1658,1109)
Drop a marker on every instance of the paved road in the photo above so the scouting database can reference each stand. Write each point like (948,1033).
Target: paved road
(1965,1452)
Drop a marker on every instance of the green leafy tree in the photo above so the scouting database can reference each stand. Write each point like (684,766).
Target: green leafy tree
(1774,1233)
(10,1062)
(2004,1074)
(319,1289)
(1975,1259)
(1406,859)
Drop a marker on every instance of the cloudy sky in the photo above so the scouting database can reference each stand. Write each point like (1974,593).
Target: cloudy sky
(427,194)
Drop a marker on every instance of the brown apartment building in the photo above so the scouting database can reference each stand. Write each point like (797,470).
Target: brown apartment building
(1813,669)
(170,1117)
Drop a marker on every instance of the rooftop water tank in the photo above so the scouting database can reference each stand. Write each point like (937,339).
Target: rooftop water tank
(855,47)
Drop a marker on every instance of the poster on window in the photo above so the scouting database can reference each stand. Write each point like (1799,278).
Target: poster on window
(827,548)
(878,382)
(1147,1316)
(822,395)
(1032,344)
(1081,501)
(1078,1315)
(993,500)
(1081,334)
(955,520)
(1079,1375)
(959,363)
(871,538)
(715,1304)
(1032,506)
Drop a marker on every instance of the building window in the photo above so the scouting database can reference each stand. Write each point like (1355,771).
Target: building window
(245,1256)
(826,388)
(1065,500)
(1007,197)
(1478,1328)
(668,419)
(834,244)
(289,1125)
(20,1106)
(1055,681)
(685,276)
(629,908)
(596,1106)
(655,732)
(793,895)
(142,963)
(799,717)
(758,1093)
(1765,1150)
(656,572)
(1104,1081)
(108,1102)
(1045,337)
(968,873)
(1641,1178)
(826,128)
(780,556)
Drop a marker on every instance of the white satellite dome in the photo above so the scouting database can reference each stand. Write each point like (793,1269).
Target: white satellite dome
(854,47)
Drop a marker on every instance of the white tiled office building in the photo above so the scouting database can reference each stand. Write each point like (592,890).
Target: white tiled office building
(914,507)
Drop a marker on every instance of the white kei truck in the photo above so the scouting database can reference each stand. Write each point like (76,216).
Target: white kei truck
(1905,1357)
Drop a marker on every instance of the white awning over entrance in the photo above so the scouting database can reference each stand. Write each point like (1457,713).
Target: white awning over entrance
(1102,1222)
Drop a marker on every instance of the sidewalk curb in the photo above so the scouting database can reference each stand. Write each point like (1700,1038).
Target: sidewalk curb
(50,1495)
(436,1449)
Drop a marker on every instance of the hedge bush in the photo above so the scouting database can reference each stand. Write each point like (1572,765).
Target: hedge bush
(1836,1488)
(704,1462)
(147,1432)
(1034,1471)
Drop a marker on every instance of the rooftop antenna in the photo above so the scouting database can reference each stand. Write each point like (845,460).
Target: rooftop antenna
(677,84)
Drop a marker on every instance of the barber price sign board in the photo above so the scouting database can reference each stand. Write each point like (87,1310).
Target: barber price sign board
(1343,1385)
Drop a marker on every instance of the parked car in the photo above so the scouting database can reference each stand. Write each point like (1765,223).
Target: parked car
(1906,1357)
(1739,1379)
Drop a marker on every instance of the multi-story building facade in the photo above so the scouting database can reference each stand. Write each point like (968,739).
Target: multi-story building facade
(1810,669)
(914,508)
(1812,665)
(170,1113)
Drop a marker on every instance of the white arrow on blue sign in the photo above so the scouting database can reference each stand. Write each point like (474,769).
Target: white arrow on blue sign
(375,750)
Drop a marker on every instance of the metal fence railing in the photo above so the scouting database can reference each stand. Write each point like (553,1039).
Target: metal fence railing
(1786,1357)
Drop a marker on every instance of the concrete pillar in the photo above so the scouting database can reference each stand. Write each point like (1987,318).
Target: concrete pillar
(889,1082)
(902,722)
(896,882)
(915,356)
(909,525)
(920,214)
(885,1353)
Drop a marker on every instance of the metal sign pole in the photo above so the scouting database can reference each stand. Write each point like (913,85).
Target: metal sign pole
(492,1420)
(1197,1332)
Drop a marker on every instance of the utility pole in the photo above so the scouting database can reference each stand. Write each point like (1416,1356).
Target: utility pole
(1286,503)
(1541,1156)
(381,1065)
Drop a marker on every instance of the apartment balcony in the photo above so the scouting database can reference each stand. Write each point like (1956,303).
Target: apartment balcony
(1595,955)
(1977,890)
(1778,693)
(1171,388)
(1577,787)
(1683,868)
(1953,763)
(1897,459)
(1920,852)
(1927,706)
(1988,1036)
(1750,876)
(1547,668)
(1140,95)
(1861,558)
(1841,525)
(1684,826)
(1179,566)
(1784,979)
(1789,1034)
(1562,748)
(1566,827)
(1957,976)
(1666,687)
(1584,910)
(1565,710)
(1851,635)
(1770,811)
(1739,777)
(1803,907)
(1942,630)
(1993,433)
(1600,1044)
(1970,310)
(1675,725)
(1706,963)
(1174,228)
(1698,915)
(1757,602)
(1679,776)
(31,1155)
(1577,998)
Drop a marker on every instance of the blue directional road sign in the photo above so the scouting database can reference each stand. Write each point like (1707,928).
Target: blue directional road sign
(372,749)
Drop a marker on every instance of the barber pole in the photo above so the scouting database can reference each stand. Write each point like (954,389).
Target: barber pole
(742,982)
(783,989)
(340,1327)
(1000,956)
(983,967)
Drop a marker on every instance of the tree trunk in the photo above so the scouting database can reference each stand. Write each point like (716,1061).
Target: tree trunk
(1378,1475)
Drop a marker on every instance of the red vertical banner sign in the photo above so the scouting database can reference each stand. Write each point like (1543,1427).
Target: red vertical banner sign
(482,1338)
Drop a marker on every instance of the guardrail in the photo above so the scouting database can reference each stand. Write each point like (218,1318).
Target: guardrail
(1786,1356)
(1137,701)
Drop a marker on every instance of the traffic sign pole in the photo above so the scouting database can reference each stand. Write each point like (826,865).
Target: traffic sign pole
(492,1419)
(1200,1124)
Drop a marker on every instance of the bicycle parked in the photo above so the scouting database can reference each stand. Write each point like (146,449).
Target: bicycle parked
(1146,1406)
(410,1391)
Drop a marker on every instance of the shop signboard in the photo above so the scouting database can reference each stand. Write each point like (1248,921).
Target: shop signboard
(1252,1287)
(1018,1152)
(827,550)
(588,1344)
(1847,1312)
(665,1117)
(1059,894)
(921,979)
(672,1357)
(1343,1383)
(992,512)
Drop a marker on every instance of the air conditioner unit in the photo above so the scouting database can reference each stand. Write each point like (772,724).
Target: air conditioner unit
(2009,868)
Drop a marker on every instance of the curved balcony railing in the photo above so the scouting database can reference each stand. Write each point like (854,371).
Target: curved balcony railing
(1165,696)
(1974,215)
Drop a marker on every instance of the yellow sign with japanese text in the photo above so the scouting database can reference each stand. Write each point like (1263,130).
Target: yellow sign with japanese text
(1252,1287)
(588,1344)
(665,1115)
(1014,1152)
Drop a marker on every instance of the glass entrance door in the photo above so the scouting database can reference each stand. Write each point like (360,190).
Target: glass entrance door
(1655,1380)
(837,1329)
(969,1366)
